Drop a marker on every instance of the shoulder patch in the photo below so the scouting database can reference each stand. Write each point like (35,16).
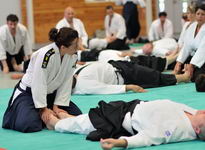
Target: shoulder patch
(47,57)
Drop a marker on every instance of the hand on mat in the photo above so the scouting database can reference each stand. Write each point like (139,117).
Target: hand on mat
(189,68)
(108,144)
(45,113)
(58,110)
(135,88)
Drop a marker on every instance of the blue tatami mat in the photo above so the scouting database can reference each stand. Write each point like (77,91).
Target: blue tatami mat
(51,140)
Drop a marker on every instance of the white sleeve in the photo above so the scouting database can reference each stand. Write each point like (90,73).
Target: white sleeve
(39,81)
(198,58)
(169,32)
(95,87)
(2,48)
(83,34)
(27,44)
(151,32)
(63,94)
(122,29)
(106,27)
(141,140)
(184,52)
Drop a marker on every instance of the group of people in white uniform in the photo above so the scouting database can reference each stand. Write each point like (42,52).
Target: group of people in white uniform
(42,98)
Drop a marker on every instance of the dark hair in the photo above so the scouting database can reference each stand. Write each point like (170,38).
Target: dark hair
(12,17)
(63,36)
(109,7)
(200,83)
(162,14)
(201,6)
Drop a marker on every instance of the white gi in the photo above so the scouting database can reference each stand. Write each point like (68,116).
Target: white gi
(140,2)
(193,46)
(7,43)
(99,78)
(157,122)
(161,47)
(183,33)
(117,26)
(57,75)
(78,26)
(156,32)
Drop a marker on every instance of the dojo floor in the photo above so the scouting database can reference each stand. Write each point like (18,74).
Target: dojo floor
(51,140)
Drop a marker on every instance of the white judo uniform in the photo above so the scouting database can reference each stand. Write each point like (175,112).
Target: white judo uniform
(157,122)
(101,78)
(193,46)
(183,34)
(117,26)
(78,26)
(156,32)
(55,75)
(7,43)
(161,47)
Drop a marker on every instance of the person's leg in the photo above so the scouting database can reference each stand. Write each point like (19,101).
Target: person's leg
(75,124)
(21,115)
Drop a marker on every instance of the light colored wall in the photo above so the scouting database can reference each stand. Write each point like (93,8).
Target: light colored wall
(7,7)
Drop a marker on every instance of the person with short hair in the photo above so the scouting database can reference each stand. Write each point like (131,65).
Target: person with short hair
(46,86)
(15,45)
(134,124)
(69,20)
(161,28)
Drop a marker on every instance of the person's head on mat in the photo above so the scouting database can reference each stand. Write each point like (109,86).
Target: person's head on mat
(12,21)
(147,48)
(200,83)
(69,14)
(110,10)
(66,39)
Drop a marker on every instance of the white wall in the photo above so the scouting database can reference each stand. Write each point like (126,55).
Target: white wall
(8,7)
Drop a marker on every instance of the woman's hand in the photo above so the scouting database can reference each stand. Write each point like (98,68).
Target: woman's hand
(108,144)
(177,68)
(45,114)
(135,88)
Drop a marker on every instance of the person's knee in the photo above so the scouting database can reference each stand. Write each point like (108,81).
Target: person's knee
(200,83)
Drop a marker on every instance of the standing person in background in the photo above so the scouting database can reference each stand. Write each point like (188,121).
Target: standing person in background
(131,16)
(161,28)
(15,45)
(70,21)
(46,86)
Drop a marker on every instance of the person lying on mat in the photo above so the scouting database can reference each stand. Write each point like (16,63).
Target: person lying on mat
(121,76)
(134,124)
(46,86)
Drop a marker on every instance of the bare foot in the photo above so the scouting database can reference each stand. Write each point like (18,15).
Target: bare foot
(18,68)
(5,69)
(63,115)
(51,122)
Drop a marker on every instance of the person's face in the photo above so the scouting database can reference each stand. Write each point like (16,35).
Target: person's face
(69,14)
(162,18)
(109,12)
(147,49)
(12,25)
(72,49)
(190,16)
(200,16)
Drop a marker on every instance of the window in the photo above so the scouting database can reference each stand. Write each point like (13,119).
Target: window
(184,6)
(161,5)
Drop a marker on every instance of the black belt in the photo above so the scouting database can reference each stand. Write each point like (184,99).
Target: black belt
(79,70)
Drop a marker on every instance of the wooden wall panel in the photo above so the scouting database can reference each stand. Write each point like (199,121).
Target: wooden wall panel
(48,12)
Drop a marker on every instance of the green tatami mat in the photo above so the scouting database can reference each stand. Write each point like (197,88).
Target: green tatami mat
(51,140)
